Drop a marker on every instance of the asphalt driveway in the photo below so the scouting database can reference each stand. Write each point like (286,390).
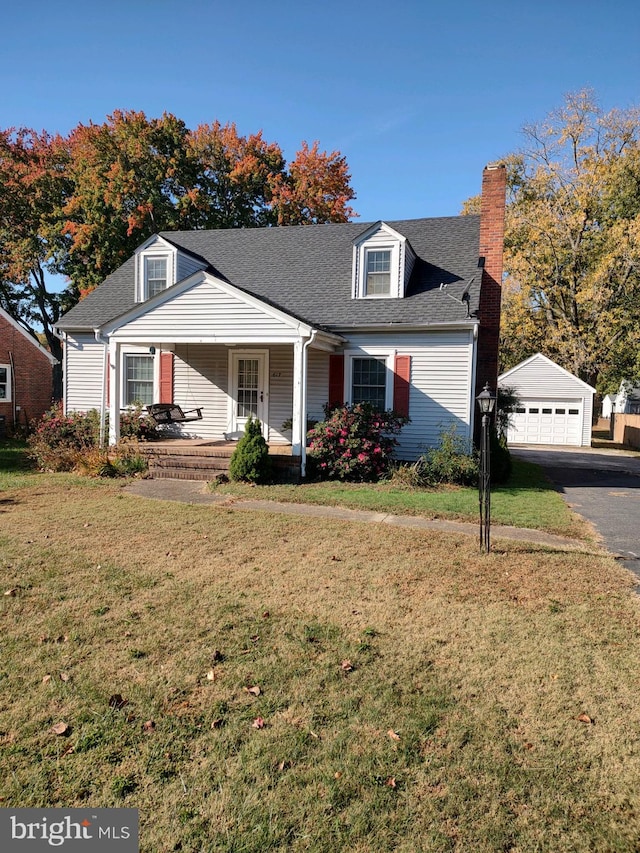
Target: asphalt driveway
(601,485)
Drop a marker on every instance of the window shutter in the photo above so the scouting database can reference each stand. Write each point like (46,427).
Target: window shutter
(401,385)
(336,380)
(166,377)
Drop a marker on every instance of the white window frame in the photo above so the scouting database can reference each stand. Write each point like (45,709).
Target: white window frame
(142,353)
(7,398)
(394,269)
(154,254)
(148,261)
(382,354)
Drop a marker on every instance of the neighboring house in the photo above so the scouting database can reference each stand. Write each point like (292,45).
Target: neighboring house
(608,403)
(555,406)
(627,400)
(277,322)
(26,375)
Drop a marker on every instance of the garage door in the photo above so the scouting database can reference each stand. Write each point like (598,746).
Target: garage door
(547,422)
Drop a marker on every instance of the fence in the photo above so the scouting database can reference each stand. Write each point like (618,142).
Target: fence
(626,430)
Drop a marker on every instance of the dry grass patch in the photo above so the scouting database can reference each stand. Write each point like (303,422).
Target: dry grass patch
(307,685)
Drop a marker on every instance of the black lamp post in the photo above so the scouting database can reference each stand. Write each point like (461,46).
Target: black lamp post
(487,402)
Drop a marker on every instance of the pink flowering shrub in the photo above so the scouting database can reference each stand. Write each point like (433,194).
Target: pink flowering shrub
(57,441)
(353,443)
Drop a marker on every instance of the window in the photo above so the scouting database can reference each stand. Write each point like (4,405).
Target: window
(155,275)
(520,410)
(534,411)
(5,383)
(560,411)
(138,386)
(378,282)
(547,411)
(574,411)
(369,382)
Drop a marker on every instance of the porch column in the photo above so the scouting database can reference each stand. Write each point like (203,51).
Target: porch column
(114,392)
(299,418)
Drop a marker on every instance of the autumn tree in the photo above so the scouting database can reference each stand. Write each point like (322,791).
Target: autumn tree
(572,248)
(34,186)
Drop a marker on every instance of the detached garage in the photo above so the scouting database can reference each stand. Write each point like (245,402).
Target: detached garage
(556,407)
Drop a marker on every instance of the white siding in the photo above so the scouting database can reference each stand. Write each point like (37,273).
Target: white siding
(200,379)
(83,370)
(206,311)
(186,265)
(317,383)
(440,394)
(280,392)
(540,379)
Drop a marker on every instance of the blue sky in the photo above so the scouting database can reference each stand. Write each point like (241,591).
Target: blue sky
(418,96)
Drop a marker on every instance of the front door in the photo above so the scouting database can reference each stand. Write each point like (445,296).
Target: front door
(249,391)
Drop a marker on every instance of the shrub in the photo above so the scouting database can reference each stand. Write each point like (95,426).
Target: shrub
(250,460)
(61,442)
(136,423)
(354,443)
(452,461)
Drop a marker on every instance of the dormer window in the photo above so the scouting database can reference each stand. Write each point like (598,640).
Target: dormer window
(155,275)
(382,263)
(378,272)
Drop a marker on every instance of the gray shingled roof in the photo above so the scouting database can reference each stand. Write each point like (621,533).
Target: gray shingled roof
(306,270)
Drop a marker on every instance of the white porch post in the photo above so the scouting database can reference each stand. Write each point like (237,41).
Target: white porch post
(297,427)
(114,392)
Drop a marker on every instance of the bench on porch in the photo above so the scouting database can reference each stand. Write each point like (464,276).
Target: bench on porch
(170,413)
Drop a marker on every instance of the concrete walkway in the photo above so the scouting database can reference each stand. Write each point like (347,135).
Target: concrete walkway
(193,492)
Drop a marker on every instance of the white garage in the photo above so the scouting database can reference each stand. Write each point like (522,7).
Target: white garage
(555,406)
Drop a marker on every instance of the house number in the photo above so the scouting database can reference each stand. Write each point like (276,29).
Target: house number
(276,374)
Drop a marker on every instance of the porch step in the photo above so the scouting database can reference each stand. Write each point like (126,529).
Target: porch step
(206,463)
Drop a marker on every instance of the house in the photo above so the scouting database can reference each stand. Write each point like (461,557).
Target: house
(26,375)
(555,406)
(608,404)
(277,322)
(627,400)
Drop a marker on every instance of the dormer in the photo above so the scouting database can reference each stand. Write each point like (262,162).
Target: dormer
(382,263)
(160,264)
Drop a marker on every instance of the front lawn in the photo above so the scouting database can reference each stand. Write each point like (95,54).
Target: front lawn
(257,682)
(527,500)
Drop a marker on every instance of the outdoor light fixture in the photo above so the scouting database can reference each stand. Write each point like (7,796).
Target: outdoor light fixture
(486,402)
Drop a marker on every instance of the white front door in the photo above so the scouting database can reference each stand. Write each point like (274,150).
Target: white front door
(249,388)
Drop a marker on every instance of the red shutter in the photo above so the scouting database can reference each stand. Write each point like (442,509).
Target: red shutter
(166,377)
(336,380)
(401,385)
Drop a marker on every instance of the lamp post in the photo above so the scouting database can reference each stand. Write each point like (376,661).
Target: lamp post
(486,402)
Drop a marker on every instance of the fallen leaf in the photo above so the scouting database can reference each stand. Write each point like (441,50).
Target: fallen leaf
(265,615)
(12,592)
(217,656)
(148,726)
(64,676)
(393,735)
(116,701)
(69,750)
(211,675)
(337,775)
(258,723)
(528,746)
(346,666)
(61,729)
(585,718)
(217,724)
(283,765)
(255,690)
(335,559)
(255,638)
(391,782)
(46,679)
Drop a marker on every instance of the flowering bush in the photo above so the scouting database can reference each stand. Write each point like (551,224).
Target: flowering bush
(354,443)
(58,441)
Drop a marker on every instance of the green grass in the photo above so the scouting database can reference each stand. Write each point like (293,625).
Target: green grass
(527,500)
(414,694)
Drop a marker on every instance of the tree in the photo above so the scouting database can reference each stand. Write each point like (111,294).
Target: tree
(316,189)
(572,247)
(34,185)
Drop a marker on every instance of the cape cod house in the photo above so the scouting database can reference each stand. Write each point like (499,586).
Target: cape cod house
(277,322)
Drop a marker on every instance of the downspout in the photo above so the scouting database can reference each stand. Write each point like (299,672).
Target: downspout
(474,367)
(103,393)
(303,413)
(13,389)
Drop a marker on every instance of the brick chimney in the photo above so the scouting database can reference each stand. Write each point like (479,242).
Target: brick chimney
(494,187)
